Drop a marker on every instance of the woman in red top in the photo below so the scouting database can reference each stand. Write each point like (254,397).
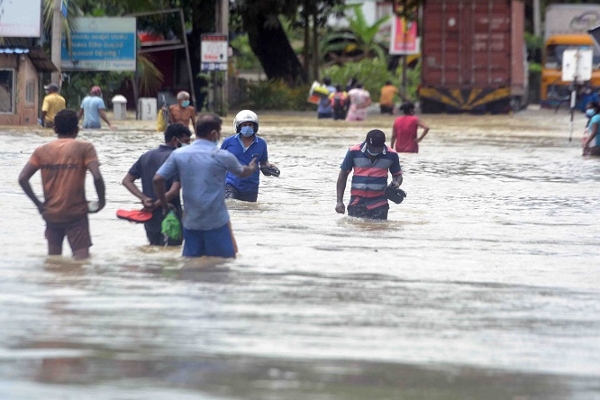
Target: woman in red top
(404,131)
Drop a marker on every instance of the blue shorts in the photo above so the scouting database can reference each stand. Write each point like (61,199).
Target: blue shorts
(216,243)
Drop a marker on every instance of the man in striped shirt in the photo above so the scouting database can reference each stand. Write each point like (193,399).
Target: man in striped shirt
(371,161)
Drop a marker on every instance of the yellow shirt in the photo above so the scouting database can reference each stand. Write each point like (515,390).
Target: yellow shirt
(387,95)
(53,103)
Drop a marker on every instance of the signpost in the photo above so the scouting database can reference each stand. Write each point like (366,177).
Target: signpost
(404,39)
(20,18)
(101,44)
(213,59)
(214,52)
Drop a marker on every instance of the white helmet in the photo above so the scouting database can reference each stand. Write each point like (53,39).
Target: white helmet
(245,116)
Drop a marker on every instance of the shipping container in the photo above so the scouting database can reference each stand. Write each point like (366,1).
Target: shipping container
(473,56)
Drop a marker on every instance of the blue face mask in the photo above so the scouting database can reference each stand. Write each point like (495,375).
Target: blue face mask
(247,131)
(185,103)
(590,112)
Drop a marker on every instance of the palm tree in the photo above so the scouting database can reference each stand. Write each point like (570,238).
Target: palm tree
(69,22)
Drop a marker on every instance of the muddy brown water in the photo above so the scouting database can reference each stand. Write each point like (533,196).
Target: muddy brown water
(483,284)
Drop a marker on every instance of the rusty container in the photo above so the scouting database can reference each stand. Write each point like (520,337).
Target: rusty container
(473,56)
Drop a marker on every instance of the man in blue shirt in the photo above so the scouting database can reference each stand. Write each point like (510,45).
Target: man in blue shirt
(245,145)
(202,167)
(92,109)
(145,168)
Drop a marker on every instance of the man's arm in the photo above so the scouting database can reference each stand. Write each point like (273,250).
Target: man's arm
(340,208)
(45,108)
(172,115)
(102,112)
(593,132)
(170,195)
(397,180)
(249,169)
(80,114)
(193,118)
(159,183)
(393,140)
(24,177)
(129,183)
(425,129)
(94,168)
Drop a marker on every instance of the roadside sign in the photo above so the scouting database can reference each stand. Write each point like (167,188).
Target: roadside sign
(404,39)
(101,44)
(577,65)
(20,18)
(214,49)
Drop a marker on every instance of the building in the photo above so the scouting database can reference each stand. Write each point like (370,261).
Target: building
(20,69)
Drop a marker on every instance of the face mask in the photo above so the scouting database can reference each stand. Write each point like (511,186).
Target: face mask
(185,103)
(247,131)
(372,153)
(590,112)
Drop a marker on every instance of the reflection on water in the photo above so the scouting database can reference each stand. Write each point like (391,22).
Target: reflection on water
(483,283)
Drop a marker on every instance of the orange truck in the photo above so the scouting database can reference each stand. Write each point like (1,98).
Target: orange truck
(566,27)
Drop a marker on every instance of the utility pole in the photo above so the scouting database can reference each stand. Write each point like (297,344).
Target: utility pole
(56,41)
(537,18)
(222,27)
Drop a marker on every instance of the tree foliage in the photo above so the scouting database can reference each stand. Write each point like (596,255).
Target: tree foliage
(358,41)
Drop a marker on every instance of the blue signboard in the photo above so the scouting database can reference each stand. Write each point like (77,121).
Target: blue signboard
(101,44)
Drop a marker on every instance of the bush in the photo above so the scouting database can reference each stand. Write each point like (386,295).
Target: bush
(373,74)
(276,95)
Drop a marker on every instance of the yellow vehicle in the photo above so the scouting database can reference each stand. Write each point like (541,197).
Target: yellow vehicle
(553,89)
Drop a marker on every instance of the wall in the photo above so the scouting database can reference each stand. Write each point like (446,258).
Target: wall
(25,112)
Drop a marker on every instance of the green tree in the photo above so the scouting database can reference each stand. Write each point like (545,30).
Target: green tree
(312,18)
(361,38)
(267,37)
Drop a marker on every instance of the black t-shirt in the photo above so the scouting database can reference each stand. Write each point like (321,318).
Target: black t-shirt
(145,168)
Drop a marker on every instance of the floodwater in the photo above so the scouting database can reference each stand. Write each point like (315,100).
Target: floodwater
(483,283)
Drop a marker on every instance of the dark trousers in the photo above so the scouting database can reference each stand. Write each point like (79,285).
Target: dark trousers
(232,193)
(361,211)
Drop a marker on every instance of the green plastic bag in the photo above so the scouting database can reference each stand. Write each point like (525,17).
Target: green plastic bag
(171,227)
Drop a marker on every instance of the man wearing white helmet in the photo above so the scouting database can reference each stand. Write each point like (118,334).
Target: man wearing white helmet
(201,167)
(246,145)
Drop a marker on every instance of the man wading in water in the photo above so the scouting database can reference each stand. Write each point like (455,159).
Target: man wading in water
(371,161)
(64,163)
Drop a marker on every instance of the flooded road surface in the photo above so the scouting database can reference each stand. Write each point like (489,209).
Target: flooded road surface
(483,283)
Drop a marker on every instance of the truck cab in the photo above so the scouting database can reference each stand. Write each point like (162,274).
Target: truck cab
(553,89)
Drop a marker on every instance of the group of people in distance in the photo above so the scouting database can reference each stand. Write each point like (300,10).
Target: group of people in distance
(201,174)
(92,107)
(350,104)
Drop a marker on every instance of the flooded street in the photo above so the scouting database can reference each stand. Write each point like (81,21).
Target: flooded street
(483,284)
